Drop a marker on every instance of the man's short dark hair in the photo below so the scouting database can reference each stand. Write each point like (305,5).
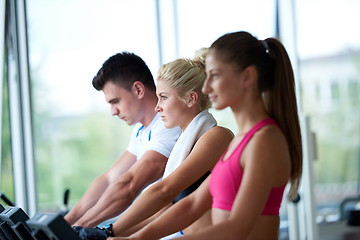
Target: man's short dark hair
(124,69)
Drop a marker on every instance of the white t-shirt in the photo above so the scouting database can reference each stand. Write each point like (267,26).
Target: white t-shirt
(153,137)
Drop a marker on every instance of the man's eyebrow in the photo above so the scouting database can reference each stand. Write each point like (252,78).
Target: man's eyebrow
(112,100)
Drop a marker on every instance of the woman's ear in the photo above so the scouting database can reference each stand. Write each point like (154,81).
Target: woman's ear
(192,99)
(250,76)
(138,89)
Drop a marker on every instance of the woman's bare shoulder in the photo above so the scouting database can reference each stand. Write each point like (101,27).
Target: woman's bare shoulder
(219,131)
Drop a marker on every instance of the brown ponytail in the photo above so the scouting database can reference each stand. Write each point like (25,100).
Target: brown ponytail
(282,105)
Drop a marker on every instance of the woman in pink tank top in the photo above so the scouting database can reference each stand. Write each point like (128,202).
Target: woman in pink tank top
(244,191)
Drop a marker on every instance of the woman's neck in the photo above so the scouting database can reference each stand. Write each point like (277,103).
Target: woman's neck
(247,115)
(192,115)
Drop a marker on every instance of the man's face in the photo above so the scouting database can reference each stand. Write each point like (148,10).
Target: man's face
(124,103)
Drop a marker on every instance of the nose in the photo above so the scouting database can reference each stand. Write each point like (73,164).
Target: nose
(157,107)
(114,111)
(205,87)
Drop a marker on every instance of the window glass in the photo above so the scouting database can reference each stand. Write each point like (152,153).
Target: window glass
(75,136)
(201,22)
(6,172)
(330,76)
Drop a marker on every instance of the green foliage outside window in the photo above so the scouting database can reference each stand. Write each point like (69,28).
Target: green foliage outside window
(71,151)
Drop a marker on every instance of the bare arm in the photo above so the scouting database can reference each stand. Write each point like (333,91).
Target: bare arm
(202,159)
(179,216)
(122,192)
(145,222)
(98,187)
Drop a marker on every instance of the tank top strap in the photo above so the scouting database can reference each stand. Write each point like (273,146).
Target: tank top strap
(252,131)
(257,127)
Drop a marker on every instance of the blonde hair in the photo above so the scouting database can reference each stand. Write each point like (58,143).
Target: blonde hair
(187,75)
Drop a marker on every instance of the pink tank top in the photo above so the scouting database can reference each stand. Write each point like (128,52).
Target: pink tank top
(226,178)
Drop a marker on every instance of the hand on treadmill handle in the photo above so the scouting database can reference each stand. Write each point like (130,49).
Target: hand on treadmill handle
(95,233)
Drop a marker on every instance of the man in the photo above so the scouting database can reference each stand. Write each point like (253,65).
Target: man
(129,88)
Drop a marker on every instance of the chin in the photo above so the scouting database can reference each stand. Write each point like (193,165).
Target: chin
(130,123)
(218,106)
(167,125)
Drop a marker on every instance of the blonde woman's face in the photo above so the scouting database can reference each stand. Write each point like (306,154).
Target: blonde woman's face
(222,83)
(170,106)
